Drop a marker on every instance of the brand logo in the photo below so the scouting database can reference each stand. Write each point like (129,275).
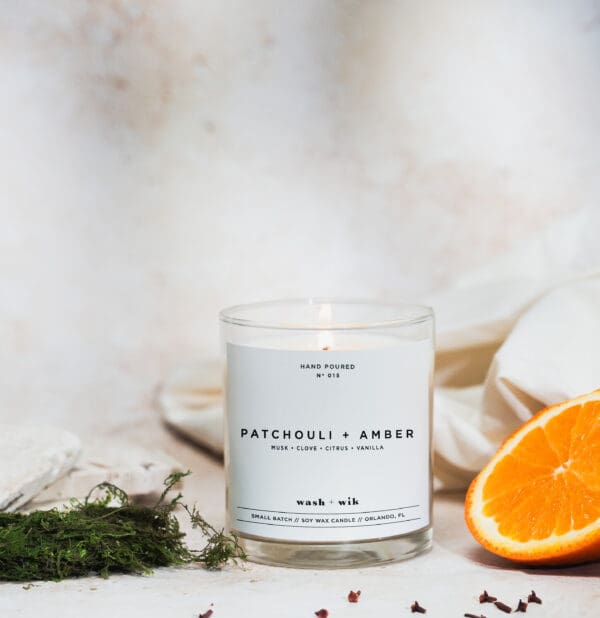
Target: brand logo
(349,501)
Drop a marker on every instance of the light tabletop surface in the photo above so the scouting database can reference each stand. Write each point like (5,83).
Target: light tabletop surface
(446,581)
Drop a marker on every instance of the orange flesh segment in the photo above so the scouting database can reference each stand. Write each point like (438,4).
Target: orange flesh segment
(585,446)
(550,482)
(559,431)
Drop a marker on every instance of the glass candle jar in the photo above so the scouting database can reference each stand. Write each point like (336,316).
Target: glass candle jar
(328,431)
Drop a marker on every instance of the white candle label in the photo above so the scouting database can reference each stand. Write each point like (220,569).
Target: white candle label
(328,445)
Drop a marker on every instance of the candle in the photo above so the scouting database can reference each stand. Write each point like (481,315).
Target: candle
(328,431)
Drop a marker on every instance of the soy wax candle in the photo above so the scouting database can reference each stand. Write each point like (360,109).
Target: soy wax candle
(328,431)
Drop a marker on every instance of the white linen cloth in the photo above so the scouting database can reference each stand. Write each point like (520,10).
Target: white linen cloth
(514,336)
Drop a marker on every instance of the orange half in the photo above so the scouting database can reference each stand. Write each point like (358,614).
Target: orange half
(538,499)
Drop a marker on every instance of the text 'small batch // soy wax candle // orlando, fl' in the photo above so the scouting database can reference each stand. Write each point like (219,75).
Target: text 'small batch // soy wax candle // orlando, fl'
(328,431)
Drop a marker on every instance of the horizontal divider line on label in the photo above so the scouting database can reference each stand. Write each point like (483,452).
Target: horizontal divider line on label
(399,508)
(385,523)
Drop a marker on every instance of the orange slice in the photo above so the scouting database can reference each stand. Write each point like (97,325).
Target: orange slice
(538,500)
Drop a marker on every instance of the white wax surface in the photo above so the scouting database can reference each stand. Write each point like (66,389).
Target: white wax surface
(334,340)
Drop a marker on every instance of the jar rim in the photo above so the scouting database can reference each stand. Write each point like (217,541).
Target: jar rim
(397,314)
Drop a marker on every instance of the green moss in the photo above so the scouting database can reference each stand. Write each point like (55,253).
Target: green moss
(93,537)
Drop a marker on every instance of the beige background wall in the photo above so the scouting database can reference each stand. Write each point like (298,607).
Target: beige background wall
(161,159)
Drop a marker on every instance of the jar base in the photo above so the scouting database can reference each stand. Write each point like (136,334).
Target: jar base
(350,555)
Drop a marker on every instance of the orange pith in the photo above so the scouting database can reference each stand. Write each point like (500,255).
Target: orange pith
(538,499)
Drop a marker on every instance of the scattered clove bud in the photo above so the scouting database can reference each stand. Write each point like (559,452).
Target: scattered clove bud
(486,598)
(207,614)
(533,598)
(474,616)
(503,607)
(415,607)
(353,596)
(322,613)
(522,606)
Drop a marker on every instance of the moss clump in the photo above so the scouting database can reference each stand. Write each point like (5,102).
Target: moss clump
(95,537)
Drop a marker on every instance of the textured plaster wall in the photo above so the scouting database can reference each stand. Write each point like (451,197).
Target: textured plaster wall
(161,159)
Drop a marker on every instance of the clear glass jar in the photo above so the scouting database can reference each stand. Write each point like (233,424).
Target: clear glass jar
(328,411)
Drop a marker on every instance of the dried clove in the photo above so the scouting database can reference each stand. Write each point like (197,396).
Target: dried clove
(353,596)
(474,616)
(207,614)
(503,607)
(533,598)
(522,606)
(415,607)
(322,613)
(486,598)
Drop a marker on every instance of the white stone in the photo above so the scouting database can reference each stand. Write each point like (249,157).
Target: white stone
(31,458)
(136,470)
